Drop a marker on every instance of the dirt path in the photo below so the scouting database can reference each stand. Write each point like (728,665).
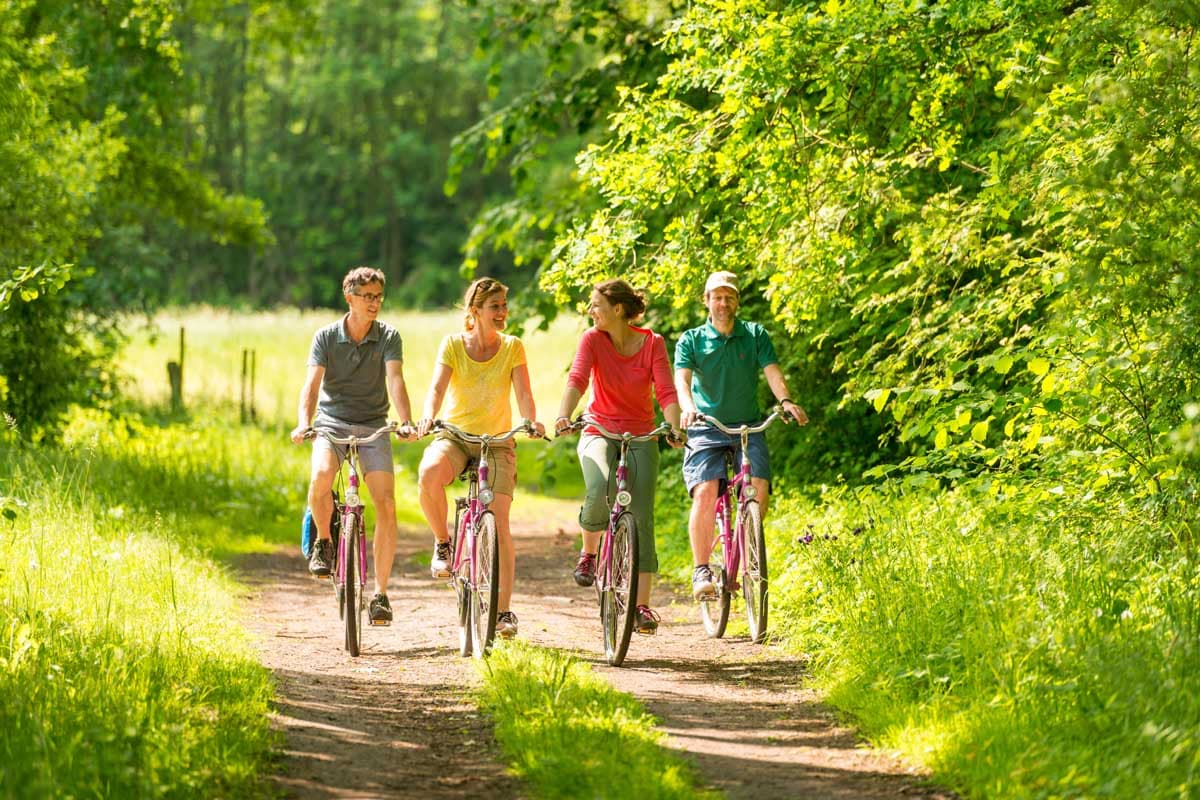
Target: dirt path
(394,722)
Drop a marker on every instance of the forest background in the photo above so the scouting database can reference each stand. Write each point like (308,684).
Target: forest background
(972,226)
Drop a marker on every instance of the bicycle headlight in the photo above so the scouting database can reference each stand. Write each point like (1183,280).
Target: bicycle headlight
(486,496)
(749,492)
(624,497)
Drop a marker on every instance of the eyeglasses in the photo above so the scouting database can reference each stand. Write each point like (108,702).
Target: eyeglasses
(370,298)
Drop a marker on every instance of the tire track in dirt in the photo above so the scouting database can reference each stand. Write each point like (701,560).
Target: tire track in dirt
(396,722)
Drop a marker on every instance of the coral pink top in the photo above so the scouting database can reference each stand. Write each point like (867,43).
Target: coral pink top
(621,398)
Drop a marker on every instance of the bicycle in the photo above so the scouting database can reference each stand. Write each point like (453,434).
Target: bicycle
(740,539)
(474,545)
(350,573)
(617,560)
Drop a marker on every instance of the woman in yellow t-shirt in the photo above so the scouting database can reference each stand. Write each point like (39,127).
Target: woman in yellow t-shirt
(474,372)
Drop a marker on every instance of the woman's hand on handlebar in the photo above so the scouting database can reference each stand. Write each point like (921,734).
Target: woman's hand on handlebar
(424,426)
(300,433)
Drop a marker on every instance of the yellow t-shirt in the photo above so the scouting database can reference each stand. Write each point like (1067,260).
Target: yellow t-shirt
(477,399)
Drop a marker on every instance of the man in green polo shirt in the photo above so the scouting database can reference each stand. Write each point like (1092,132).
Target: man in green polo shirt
(353,366)
(716,374)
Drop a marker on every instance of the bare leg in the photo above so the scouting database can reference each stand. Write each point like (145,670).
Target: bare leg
(382,488)
(436,473)
(702,521)
(320,497)
(501,507)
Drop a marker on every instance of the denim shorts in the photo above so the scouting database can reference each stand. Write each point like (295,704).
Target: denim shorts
(704,456)
(373,457)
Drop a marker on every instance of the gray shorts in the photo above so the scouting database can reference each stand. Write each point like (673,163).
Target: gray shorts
(373,457)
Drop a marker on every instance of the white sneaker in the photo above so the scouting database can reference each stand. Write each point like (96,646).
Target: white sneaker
(506,624)
(703,585)
(440,565)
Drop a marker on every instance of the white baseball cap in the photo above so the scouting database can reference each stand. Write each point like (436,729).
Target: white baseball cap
(721,279)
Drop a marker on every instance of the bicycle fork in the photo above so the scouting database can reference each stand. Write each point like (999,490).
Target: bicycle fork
(623,499)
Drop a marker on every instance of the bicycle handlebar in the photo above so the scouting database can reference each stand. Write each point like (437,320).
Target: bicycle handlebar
(312,432)
(477,438)
(776,413)
(584,420)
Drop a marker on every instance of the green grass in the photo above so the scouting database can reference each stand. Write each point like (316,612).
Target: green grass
(569,734)
(120,673)
(215,339)
(1021,647)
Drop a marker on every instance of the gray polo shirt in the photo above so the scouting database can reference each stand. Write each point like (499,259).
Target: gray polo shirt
(355,387)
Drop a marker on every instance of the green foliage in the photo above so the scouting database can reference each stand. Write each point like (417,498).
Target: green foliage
(1024,641)
(569,734)
(120,673)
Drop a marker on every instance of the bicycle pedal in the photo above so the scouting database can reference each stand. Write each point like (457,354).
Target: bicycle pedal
(382,623)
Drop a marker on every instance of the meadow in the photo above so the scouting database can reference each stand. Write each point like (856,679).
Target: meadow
(1020,641)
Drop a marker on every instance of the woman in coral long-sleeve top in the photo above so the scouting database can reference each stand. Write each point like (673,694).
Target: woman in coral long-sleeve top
(628,368)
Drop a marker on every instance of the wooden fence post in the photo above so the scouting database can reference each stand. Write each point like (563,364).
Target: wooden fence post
(175,376)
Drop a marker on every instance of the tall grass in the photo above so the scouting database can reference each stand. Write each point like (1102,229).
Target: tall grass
(121,674)
(569,734)
(215,339)
(1034,646)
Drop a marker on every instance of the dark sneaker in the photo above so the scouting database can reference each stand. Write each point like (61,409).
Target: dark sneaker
(506,624)
(439,567)
(585,569)
(703,585)
(380,610)
(646,621)
(320,563)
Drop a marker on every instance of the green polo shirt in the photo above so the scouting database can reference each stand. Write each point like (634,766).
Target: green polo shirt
(354,388)
(725,369)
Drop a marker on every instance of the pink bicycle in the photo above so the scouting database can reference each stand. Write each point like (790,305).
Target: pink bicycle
(475,569)
(617,562)
(350,550)
(739,547)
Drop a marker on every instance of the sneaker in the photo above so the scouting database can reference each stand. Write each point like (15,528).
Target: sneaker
(320,563)
(440,565)
(646,621)
(506,624)
(585,569)
(703,586)
(380,610)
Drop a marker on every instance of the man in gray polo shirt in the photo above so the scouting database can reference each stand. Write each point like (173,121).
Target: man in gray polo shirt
(354,364)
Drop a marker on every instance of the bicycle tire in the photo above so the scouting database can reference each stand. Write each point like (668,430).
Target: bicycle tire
(714,613)
(485,589)
(754,572)
(353,600)
(618,604)
(460,580)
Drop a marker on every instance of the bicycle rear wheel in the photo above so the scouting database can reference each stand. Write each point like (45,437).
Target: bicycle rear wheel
(714,613)
(352,592)
(461,580)
(754,575)
(618,598)
(486,588)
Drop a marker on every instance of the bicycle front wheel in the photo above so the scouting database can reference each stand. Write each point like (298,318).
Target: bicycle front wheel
(754,574)
(618,598)
(352,593)
(486,588)
(461,581)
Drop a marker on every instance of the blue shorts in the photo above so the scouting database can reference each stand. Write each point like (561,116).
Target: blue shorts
(704,456)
